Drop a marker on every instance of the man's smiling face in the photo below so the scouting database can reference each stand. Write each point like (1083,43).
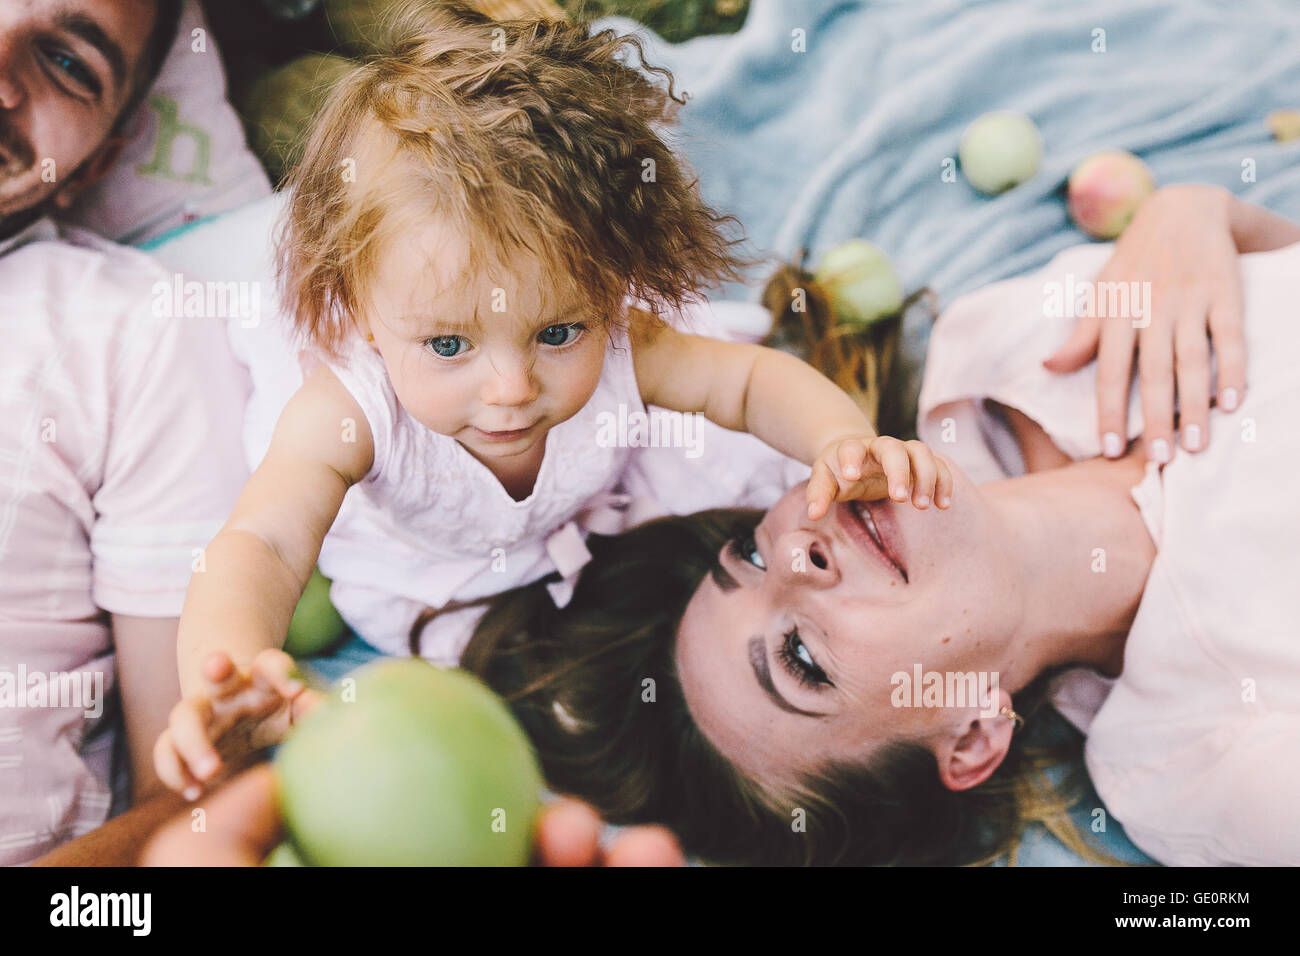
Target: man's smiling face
(68,68)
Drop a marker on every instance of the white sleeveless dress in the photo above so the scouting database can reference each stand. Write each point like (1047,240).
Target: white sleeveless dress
(430,524)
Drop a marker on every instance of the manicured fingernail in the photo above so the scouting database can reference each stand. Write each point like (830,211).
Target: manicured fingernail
(945,501)
(1160,451)
(206,767)
(900,492)
(923,501)
(1111,445)
(191,793)
(1228,399)
(1192,437)
(852,472)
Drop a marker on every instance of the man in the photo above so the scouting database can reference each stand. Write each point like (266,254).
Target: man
(120,457)
(71,75)
(120,453)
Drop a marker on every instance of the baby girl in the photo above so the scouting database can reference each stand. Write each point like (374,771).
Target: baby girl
(486,252)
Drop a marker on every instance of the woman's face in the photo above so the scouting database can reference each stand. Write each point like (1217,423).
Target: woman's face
(787,656)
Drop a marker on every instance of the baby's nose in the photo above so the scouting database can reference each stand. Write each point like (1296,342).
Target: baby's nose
(509,384)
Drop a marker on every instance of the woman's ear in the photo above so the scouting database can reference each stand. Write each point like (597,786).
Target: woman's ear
(976,744)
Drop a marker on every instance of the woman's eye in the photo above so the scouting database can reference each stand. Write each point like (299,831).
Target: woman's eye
(798,661)
(446,346)
(560,334)
(74,68)
(745,548)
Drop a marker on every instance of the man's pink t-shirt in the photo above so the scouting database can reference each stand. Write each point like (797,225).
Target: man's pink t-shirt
(120,458)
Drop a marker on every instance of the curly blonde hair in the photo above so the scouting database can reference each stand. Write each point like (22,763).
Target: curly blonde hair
(527,136)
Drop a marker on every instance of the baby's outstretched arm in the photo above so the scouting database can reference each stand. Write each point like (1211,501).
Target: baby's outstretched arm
(237,687)
(795,409)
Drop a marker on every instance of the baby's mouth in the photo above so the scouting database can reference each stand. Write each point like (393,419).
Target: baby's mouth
(506,435)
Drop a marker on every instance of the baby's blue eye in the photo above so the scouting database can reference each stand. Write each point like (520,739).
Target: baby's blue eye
(560,334)
(445,346)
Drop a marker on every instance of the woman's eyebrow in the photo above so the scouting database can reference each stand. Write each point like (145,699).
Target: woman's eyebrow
(91,33)
(758,661)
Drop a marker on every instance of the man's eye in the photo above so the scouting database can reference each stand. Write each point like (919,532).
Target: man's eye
(561,334)
(446,346)
(746,549)
(74,68)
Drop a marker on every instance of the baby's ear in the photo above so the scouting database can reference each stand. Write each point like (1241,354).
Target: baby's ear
(977,745)
(362,328)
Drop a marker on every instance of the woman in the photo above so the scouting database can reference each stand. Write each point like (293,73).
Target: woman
(739,679)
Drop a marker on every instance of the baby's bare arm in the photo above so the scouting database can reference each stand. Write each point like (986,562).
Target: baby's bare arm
(256,568)
(777,397)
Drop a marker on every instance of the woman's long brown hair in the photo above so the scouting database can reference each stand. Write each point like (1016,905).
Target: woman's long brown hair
(595,686)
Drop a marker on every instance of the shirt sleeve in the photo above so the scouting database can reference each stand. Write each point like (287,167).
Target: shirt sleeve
(174,463)
(1234,810)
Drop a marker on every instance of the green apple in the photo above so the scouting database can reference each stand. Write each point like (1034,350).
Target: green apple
(860,281)
(283,855)
(410,766)
(316,625)
(281,107)
(1000,150)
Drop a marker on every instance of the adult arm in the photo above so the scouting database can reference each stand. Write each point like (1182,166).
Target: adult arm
(119,841)
(146,679)
(242,826)
(1183,243)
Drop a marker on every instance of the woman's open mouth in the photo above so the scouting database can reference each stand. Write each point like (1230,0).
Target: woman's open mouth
(864,525)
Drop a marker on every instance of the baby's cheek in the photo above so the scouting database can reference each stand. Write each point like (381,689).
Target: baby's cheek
(578,386)
(434,407)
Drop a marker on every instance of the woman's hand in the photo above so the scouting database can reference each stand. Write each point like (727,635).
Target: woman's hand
(237,713)
(877,466)
(242,826)
(1181,243)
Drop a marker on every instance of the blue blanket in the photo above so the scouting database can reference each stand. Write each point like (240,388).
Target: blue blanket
(849,137)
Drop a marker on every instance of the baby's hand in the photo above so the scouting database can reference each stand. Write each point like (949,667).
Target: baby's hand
(877,467)
(236,713)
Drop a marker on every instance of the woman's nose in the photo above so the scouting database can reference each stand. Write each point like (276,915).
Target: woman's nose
(804,558)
